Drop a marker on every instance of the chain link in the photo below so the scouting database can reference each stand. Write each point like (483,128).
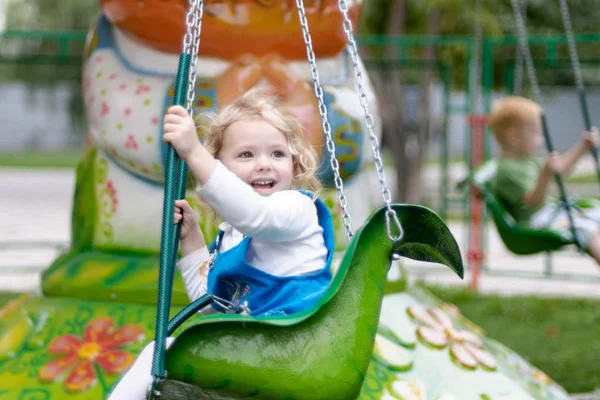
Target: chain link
(524,46)
(189,22)
(390,213)
(518,77)
(323,111)
(191,45)
(194,29)
(564,8)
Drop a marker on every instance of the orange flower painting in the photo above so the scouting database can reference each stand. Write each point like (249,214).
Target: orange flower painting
(99,346)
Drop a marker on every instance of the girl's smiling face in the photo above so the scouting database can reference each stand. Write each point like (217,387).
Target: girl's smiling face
(259,154)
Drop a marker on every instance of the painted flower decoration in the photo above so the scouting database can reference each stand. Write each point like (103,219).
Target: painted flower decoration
(131,143)
(411,389)
(406,390)
(97,347)
(438,330)
(455,313)
(113,194)
(391,354)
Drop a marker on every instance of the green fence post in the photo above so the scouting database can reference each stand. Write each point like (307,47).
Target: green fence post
(445,156)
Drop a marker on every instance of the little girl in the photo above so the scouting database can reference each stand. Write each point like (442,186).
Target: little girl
(274,249)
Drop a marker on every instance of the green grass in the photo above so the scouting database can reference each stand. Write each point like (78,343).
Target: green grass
(559,336)
(34,159)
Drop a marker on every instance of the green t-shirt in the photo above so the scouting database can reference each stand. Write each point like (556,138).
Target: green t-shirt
(514,179)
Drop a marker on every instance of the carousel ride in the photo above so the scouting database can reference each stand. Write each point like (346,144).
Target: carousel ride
(371,337)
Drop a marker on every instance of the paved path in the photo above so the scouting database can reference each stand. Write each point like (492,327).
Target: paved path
(35,209)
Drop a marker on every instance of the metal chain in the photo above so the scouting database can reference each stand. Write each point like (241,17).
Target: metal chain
(564,8)
(390,214)
(524,46)
(189,22)
(518,77)
(194,29)
(579,79)
(323,111)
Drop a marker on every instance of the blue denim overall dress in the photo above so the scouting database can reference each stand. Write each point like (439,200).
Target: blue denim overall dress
(233,279)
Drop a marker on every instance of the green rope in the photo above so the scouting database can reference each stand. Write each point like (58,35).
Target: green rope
(175,180)
(188,311)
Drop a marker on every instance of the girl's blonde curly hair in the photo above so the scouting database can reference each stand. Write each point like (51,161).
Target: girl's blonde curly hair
(256,105)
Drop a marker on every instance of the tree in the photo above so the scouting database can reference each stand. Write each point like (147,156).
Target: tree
(407,143)
(388,83)
(50,15)
(55,15)
(42,15)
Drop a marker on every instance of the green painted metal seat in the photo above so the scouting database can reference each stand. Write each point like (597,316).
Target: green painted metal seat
(519,239)
(322,353)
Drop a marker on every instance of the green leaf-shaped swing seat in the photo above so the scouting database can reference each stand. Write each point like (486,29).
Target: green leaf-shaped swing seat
(322,353)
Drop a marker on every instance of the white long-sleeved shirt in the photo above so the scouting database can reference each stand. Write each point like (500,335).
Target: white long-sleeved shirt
(286,236)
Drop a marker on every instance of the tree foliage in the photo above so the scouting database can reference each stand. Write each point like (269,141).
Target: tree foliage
(380,17)
(543,16)
(54,15)
(43,15)
(51,15)
(453,17)
(458,17)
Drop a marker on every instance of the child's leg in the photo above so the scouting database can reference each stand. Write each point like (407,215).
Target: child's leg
(587,231)
(136,381)
(589,236)
(547,217)
(594,247)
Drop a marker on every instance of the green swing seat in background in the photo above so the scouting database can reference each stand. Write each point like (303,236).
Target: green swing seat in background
(518,238)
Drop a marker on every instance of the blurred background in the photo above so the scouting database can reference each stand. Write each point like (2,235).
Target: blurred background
(430,71)
(422,51)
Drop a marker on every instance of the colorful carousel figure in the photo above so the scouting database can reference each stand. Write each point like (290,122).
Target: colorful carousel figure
(369,337)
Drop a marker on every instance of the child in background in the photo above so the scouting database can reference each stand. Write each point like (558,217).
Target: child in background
(522,179)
